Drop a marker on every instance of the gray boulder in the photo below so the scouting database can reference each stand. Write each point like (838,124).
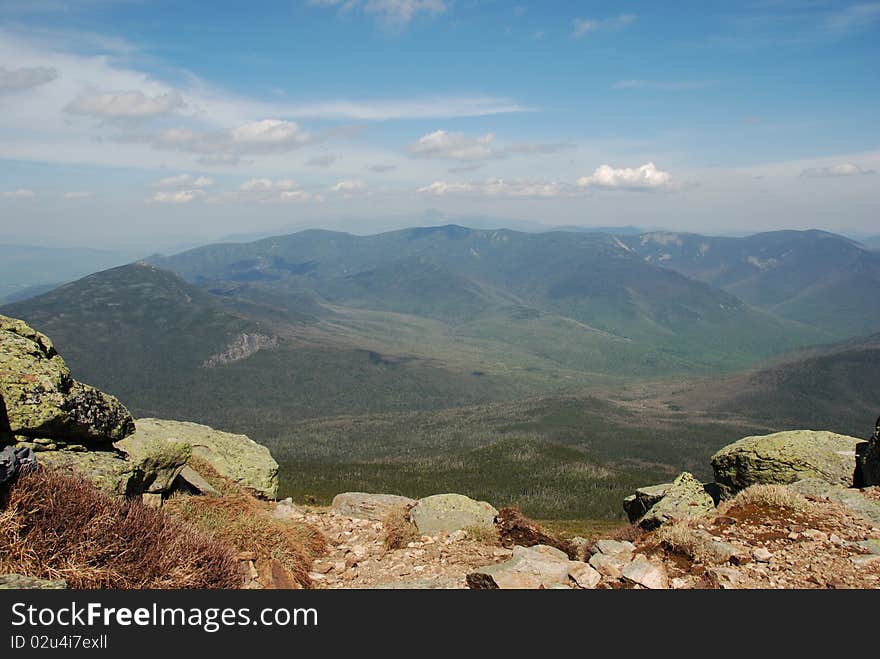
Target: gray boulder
(362,505)
(636,505)
(857,503)
(540,566)
(685,497)
(642,572)
(445,513)
(868,457)
(236,457)
(786,457)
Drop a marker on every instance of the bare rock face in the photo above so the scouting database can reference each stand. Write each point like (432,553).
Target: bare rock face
(40,398)
(540,566)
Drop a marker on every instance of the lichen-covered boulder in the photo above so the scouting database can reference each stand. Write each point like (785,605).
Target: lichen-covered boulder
(362,505)
(685,497)
(40,398)
(445,513)
(236,457)
(636,505)
(107,470)
(786,457)
(21,582)
(159,460)
(858,504)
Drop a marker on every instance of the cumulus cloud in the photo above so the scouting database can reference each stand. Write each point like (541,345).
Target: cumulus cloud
(20,193)
(185,181)
(454,146)
(176,196)
(349,188)
(16,80)
(834,171)
(646,177)
(266,190)
(269,135)
(323,160)
(496,188)
(125,105)
(581,27)
(394,12)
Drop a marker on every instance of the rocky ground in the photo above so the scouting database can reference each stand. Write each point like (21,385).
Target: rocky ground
(820,544)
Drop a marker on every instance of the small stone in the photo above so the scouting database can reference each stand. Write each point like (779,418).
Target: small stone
(726,578)
(607,566)
(762,555)
(815,535)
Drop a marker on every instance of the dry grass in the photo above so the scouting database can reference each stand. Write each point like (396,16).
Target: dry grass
(484,535)
(680,538)
(240,520)
(514,528)
(399,530)
(628,533)
(54,525)
(764,496)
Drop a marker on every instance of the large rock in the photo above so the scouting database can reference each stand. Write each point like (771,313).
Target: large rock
(160,461)
(41,398)
(642,572)
(636,505)
(851,498)
(540,566)
(786,457)
(685,497)
(362,505)
(869,460)
(108,470)
(444,513)
(236,457)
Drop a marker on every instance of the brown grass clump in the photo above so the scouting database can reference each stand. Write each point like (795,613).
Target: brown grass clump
(399,530)
(764,496)
(680,538)
(240,520)
(628,532)
(514,528)
(54,525)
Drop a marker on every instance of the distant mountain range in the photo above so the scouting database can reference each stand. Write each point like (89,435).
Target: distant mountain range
(812,277)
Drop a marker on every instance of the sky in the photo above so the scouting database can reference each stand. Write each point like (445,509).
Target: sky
(158,124)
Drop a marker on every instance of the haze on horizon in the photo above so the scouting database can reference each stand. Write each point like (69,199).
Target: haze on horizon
(151,124)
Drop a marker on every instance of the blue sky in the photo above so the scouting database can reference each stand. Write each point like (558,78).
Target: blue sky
(126,122)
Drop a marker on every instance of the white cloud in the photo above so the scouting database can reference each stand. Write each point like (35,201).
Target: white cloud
(393,12)
(583,26)
(349,188)
(454,146)
(496,188)
(835,171)
(15,80)
(646,177)
(185,181)
(177,196)
(20,193)
(266,190)
(125,105)
(269,135)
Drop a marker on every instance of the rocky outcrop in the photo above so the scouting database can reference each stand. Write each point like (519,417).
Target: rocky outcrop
(444,513)
(41,398)
(851,498)
(786,457)
(868,458)
(236,457)
(682,498)
(362,505)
